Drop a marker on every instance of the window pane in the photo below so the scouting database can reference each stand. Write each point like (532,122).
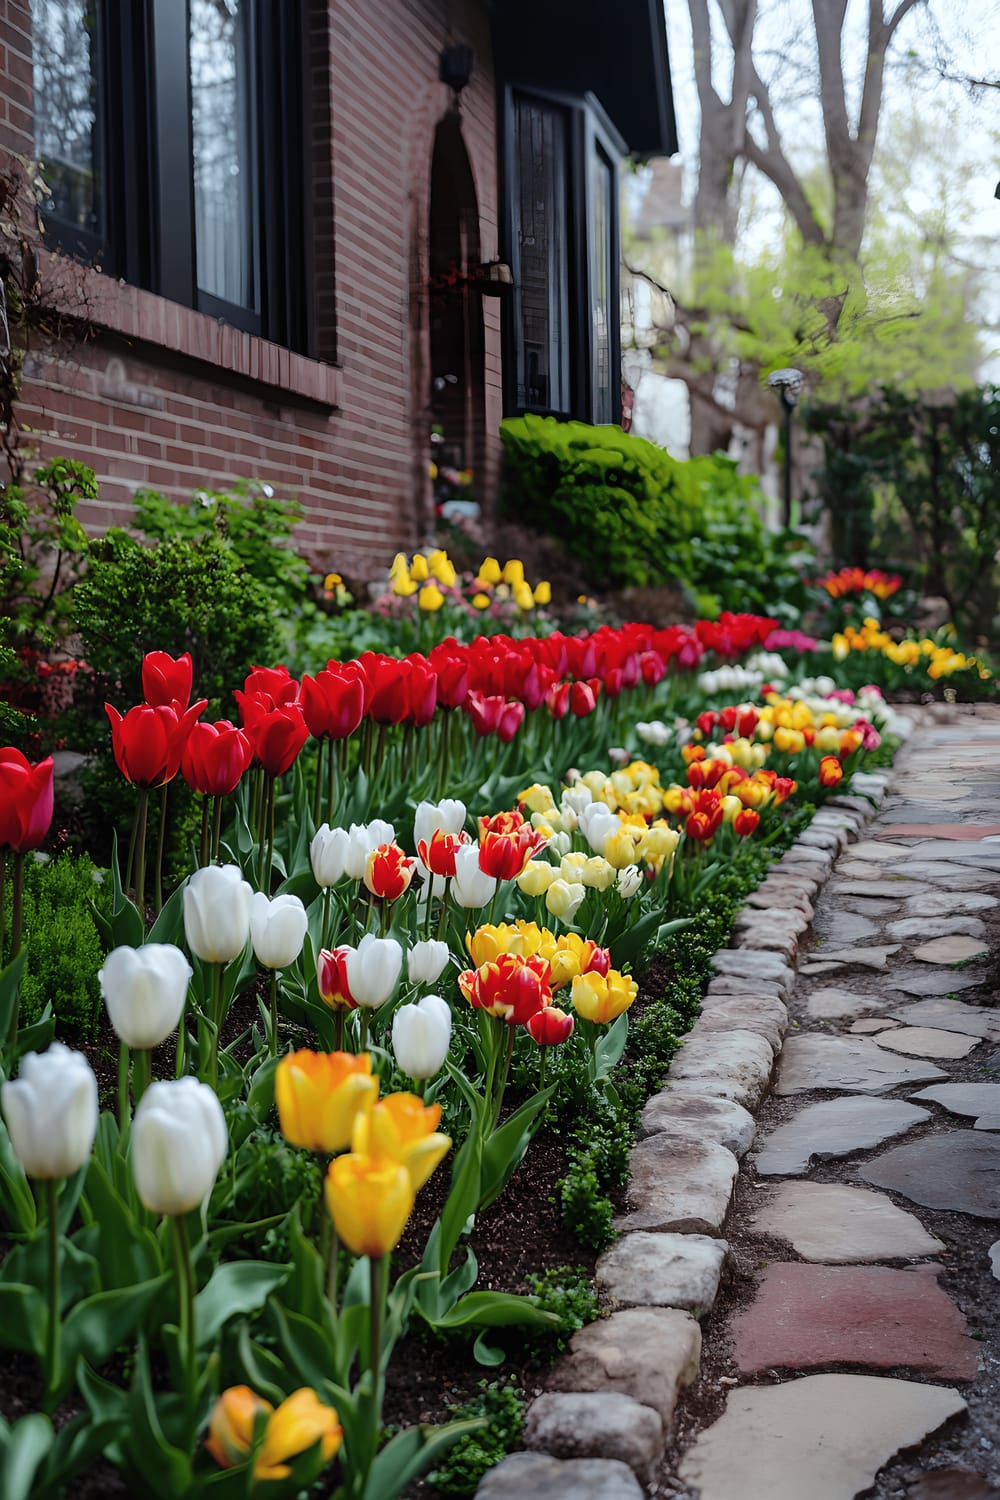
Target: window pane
(220,139)
(601,282)
(543,292)
(65,98)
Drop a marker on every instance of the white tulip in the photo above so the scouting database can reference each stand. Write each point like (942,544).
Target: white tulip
(421,1035)
(560,844)
(51,1112)
(217,913)
(448,815)
(380,832)
(577,797)
(629,881)
(179,1143)
(328,854)
(471,887)
(597,824)
(277,929)
(564,898)
(432,885)
(144,990)
(425,961)
(373,970)
(653,732)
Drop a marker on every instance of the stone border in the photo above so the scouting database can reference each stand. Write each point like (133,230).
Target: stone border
(599,1432)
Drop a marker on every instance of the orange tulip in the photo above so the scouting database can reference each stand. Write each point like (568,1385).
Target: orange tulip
(404,1129)
(320,1094)
(369,1199)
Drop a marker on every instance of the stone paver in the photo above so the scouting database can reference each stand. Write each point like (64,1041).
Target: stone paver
(830,1002)
(662,1270)
(730,1065)
(538,1476)
(939,831)
(823,1437)
(679,1185)
(950,950)
(844,927)
(929,1041)
(880,852)
(701,1118)
(805,1316)
(932,981)
(835,1127)
(648,1353)
(994,1253)
(930,904)
(585,1424)
(895,888)
(950,1015)
(981,1100)
(842,1225)
(953,1484)
(958,1171)
(907,928)
(840,1062)
(760,1013)
(874,957)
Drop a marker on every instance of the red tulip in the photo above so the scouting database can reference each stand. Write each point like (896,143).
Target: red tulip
(557,700)
(513,987)
(421,688)
(333,701)
(451,663)
(388,872)
(166,681)
(148,742)
(276,683)
(831,772)
(583,697)
(702,826)
(504,855)
(746,822)
(331,979)
(550,1026)
(277,732)
(25,800)
(508,821)
(215,757)
(438,852)
(494,714)
(594,960)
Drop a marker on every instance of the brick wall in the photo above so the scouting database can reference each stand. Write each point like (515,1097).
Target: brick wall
(161,396)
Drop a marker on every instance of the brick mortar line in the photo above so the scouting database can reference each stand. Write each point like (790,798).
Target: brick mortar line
(590,1432)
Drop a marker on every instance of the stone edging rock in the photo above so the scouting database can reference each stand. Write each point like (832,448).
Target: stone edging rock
(600,1430)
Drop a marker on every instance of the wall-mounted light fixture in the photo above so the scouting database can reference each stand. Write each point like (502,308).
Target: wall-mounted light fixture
(455,67)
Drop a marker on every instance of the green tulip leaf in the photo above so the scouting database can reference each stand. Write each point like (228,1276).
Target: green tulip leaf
(409,1453)
(23,1449)
(487,1354)
(169,925)
(264,1371)
(503,1152)
(17,1202)
(610,1047)
(240,1286)
(23,1317)
(497,1310)
(10,981)
(303,1346)
(93,1329)
(463,1197)
(127,1250)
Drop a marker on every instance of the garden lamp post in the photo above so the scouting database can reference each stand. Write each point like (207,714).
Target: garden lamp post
(788,384)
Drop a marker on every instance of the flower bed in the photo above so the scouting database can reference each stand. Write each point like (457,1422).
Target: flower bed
(408,955)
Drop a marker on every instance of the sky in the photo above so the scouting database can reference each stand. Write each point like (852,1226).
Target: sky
(957,38)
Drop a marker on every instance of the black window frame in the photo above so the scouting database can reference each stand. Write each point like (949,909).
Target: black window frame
(588,130)
(144,137)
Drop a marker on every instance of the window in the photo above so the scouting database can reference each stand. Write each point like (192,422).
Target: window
(172,143)
(564,343)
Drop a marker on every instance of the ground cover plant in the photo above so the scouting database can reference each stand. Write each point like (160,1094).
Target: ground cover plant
(421,894)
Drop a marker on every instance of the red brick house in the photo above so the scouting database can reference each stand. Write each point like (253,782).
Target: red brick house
(319,232)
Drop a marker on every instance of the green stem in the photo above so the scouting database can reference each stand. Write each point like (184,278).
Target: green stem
(273,1043)
(325,935)
(338,1029)
(50,1192)
(123,1110)
(443,914)
(216,826)
(3,901)
(318,782)
(141,819)
(216,1018)
(17,907)
(365,1023)
(378,1268)
(331,789)
(270,831)
(203,855)
(142,1073)
(542,1067)
(332,1254)
(160,845)
(504,1074)
(185,1285)
(179,1067)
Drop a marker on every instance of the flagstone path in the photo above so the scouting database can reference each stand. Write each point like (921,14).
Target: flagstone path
(865,1234)
(822,1323)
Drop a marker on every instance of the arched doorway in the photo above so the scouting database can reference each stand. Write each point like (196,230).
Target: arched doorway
(457,346)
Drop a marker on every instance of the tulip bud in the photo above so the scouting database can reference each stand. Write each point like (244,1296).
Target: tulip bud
(425,961)
(217,913)
(144,990)
(277,929)
(564,898)
(373,969)
(179,1143)
(51,1112)
(328,855)
(471,887)
(629,882)
(551,1026)
(370,1199)
(421,1035)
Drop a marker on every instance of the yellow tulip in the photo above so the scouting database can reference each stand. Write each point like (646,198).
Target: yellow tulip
(297,1425)
(232,1423)
(513,573)
(430,598)
(658,842)
(402,586)
(598,874)
(319,1095)
(442,568)
(419,571)
(619,849)
(537,798)
(481,601)
(490,570)
(404,1129)
(369,1198)
(603,997)
(536,877)
(564,898)
(543,593)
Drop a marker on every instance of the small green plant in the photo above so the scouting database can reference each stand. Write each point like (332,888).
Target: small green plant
(567,1291)
(501,1404)
(64,945)
(586,1209)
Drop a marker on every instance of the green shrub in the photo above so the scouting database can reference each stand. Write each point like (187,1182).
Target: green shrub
(639,517)
(502,1406)
(64,947)
(568,1292)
